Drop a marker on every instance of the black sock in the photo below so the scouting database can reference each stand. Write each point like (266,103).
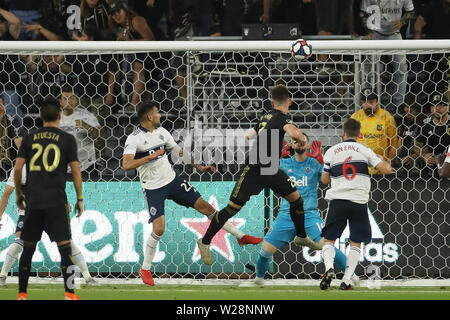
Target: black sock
(65,251)
(217,223)
(298,217)
(25,266)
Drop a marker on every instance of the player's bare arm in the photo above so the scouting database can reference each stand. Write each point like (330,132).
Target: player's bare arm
(384,167)
(325,178)
(250,134)
(129,163)
(77,181)
(178,150)
(443,168)
(20,198)
(295,133)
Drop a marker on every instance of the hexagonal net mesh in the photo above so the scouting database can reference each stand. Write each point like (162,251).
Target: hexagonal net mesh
(208,99)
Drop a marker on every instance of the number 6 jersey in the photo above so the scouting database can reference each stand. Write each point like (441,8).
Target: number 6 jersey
(348,165)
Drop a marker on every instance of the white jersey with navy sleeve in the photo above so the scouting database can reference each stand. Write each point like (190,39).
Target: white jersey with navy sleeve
(158,172)
(10,183)
(348,165)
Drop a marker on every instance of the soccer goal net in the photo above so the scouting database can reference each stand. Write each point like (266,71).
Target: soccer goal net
(210,93)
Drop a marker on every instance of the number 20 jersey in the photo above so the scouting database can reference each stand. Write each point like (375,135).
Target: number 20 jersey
(47,152)
(348,165)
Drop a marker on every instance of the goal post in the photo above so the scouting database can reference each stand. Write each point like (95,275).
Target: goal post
(210,93)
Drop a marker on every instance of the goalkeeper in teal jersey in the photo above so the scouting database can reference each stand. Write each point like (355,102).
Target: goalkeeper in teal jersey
(304,170)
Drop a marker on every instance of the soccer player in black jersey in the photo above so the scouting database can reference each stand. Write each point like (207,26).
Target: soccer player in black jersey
(47,152)
(262,170)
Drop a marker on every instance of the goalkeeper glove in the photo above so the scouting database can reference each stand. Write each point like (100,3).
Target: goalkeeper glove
(286,150)
(316,151)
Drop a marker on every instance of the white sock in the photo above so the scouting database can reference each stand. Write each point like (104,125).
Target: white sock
(328,254)
(150,250)
(230,228)
(11,256)
(78,259)
(352,262)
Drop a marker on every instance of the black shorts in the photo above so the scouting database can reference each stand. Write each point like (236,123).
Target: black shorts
(55,221)
(251,182)
(339,212)
(20,223)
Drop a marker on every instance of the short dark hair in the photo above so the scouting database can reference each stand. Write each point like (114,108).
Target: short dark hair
(66,88)
(279,93)
(50,110)
(145,107)
(352,127)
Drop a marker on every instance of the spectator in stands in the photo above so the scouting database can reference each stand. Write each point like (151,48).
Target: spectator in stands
(84,126)
(434,21)
(48,74)
(434,137)
(94,15)
(408,130)
(378,128)
(28,12)
(153,11)
(10,67)
(333,18)
(8,141)
(388,28)
(130,27)
(9,26)
(42,34)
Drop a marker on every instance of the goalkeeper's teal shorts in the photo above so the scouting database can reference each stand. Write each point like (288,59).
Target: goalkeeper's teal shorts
(283,230)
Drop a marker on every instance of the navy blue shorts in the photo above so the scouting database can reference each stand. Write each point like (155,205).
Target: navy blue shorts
(179,190)
(341,211)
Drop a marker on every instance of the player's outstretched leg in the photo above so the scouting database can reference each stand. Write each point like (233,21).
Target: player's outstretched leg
(216,224)
(11,256)
(78,259)
(243,239)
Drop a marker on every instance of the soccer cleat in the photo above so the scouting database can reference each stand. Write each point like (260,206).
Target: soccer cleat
(205,252)
(326,279)
(259,281)
(307,242)
(22,296)
(246,239)
(71,296)
(92,282)
(345,286)
(147,278)
(2,281)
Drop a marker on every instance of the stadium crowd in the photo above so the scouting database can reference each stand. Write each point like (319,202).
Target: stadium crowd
(90,86)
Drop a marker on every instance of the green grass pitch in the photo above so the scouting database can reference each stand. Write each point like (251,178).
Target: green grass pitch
(210,292)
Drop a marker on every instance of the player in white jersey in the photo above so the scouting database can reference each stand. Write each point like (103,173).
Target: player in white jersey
(444,169)
(346,168)
(145,150)
(17,246)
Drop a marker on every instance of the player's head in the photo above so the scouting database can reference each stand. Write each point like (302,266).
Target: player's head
(118,12)
(299,149)
(280,97)
(50,110)
(68,100)
(148,113)
(352,129)
(439,105)
(370,102)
